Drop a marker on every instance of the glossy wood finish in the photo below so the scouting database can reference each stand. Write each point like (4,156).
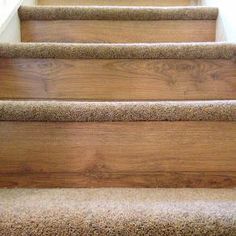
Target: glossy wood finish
(119,79)
(118,31)
(127,154)
(118,2)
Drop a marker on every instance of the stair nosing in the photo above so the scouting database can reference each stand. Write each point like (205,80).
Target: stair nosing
(109,111)
(119,51)
(113,211)
(116,13)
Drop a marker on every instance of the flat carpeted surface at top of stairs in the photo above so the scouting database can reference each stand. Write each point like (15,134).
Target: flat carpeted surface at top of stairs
(164,212)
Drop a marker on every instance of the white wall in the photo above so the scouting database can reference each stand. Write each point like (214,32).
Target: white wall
(226,24)
(29,2)
(9,20)
(11,32)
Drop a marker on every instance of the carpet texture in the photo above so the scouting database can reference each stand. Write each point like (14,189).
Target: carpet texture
(116,13)
(164,212)
(120,2)
(117,111)
(119,51)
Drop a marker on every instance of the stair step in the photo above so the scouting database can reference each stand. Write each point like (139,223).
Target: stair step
(119,2)
(118,71)
(116,13)
(196,149)
(100,24)
(163,212)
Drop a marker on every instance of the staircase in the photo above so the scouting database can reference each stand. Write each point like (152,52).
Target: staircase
(121,118)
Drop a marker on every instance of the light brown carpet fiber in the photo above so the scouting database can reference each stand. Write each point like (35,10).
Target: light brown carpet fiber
(164,212)
(119,51)
(15,110)
(116,13)
(119,2)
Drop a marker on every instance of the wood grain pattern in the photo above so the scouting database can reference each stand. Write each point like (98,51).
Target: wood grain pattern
(132,180)
(118,79)
(167,154)
(98,31)
(118,2)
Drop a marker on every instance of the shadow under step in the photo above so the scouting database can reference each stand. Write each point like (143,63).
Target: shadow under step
(117,24)
(163,212)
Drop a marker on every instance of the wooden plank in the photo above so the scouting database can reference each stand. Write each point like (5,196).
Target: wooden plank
(132,180)
(117,2)
(118,154)
(119,79)
(98,31)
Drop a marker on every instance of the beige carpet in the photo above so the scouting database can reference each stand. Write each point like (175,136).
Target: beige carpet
(17,110)
(119,51)
(118,212)
(119,2)
(116,13)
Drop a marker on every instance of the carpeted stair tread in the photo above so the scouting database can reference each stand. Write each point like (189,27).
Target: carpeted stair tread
(119,2)
(119,51)
(163,212)
(86,111)
(116,13)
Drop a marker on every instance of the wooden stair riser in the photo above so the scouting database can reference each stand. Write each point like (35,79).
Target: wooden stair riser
(115,154)
(119,2)
(117,79)
(118,31)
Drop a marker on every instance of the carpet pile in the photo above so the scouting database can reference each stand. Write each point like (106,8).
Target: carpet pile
(119,51)
(16,110)
(164,212)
